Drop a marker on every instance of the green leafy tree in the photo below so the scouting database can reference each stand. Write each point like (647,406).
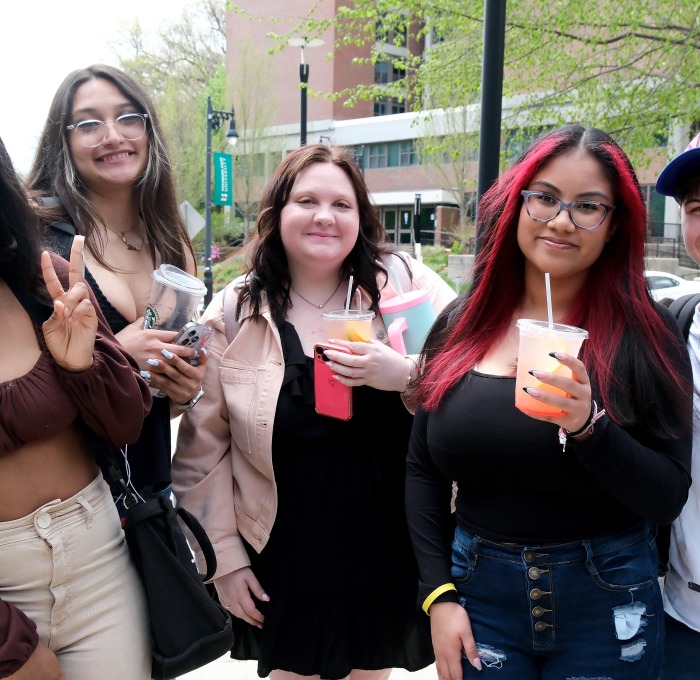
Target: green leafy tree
(255,98)
(180,64)
(631,68)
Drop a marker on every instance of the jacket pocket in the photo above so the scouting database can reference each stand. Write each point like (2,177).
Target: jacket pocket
(239,387)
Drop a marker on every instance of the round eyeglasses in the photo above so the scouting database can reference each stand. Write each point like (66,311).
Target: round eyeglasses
(544,207)
(92,133)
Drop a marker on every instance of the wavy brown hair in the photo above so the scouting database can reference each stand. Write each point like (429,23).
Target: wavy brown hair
(53,175)
(268,272)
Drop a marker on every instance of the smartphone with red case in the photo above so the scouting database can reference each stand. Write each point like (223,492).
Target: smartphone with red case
(332,398)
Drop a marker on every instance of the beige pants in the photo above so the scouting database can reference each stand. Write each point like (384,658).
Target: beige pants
(67,567)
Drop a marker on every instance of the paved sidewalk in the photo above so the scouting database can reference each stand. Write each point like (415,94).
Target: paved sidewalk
(229,669)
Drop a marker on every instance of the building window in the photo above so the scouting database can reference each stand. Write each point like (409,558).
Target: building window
(392,35)
(389,154)
(388,106)
(407,153)
(378,155)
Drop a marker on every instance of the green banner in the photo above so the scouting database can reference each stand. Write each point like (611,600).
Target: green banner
(223,179)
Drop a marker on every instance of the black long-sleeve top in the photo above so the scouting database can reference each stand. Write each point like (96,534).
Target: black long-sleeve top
(515,483)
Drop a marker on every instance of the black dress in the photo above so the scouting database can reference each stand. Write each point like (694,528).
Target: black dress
(339,568)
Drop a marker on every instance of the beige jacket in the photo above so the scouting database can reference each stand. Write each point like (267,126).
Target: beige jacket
(222,469)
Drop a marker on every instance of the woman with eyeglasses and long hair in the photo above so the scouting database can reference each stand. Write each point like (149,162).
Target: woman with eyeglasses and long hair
(71,602)
(551,571)
(102,170)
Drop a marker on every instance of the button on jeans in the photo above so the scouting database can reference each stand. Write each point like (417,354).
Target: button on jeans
(586,610)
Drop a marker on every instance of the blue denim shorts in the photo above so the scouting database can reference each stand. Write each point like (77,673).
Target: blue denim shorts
(585,610)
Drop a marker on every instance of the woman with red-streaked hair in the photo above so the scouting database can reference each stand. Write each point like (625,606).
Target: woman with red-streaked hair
(551,569)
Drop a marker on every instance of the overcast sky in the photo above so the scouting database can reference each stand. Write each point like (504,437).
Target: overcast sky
(41,41)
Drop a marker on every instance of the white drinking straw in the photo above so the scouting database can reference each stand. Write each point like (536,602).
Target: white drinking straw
(549,300)
(347,297)
(397,283)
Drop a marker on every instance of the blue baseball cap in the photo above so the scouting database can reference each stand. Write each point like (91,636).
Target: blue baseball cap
(672,175)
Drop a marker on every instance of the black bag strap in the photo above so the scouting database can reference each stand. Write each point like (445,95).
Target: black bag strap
(58,237)
(684,309)
(160,505)
(200,535)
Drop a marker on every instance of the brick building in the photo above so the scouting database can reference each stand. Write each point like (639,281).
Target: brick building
(384,136)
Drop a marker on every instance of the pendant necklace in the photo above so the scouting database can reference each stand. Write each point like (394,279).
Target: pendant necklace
(313,303)
(122,236)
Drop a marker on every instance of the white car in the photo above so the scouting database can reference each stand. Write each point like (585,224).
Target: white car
(669,286)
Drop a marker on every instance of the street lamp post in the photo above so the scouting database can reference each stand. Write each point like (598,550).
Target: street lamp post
(303,78)
(491,100)
(215,119)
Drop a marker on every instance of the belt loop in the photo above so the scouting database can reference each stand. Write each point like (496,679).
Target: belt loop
(88,511)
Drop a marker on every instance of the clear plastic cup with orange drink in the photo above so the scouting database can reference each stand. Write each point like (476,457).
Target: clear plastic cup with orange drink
(349,324)
(537,340)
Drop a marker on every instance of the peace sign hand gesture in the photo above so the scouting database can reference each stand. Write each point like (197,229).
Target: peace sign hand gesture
(70,331)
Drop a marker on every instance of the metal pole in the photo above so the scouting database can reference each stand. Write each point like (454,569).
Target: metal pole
(208,279)
(304,78)
(491,98)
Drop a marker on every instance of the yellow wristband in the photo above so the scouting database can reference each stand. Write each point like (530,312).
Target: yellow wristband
(435,594)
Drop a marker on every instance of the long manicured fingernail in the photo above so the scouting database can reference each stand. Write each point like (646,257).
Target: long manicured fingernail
(536,374)
(146,376)
(265,597)
(152,362)
(531,391)
(166,354)
(556,355)
(476,662)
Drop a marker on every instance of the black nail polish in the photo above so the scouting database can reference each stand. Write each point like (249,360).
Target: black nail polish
(532,373)
(525,389)
(553,355)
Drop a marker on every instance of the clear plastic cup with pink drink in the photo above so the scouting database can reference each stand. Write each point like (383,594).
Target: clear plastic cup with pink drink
(537,340)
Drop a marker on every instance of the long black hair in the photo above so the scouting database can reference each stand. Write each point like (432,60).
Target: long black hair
(19,231)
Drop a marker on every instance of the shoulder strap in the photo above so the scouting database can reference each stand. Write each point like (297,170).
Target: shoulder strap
(58,237)
(684,309)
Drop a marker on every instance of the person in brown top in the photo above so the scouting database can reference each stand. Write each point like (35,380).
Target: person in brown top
(71,603)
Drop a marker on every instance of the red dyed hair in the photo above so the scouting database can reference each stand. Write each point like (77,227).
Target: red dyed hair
(628,350)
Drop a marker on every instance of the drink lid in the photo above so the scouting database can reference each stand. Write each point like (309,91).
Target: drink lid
(174,277)
(557,330)
(353,314)
(398,304)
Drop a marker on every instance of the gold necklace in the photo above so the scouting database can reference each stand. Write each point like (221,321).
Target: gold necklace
(313,303)
(122,236)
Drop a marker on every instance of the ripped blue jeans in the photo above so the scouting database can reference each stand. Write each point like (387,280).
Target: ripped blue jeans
(586,610)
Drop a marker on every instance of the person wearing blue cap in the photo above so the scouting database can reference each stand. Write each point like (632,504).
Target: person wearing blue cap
(681,179)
